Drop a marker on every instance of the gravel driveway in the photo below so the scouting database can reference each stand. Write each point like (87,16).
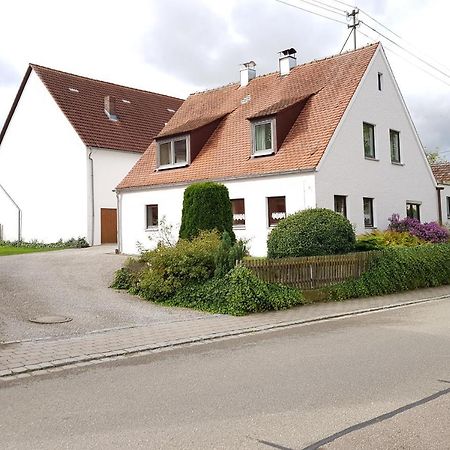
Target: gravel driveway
(71,283)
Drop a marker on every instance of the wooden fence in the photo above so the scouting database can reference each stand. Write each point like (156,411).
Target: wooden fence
(310,272)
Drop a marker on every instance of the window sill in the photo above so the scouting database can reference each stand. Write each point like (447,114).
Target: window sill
(238,227)
(370,228)
(397,163)
(172,166)
(370,158)
(152,229)
(263,153)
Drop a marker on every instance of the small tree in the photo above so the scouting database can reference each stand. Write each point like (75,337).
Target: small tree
(206,206)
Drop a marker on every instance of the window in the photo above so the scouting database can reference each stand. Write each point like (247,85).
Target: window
(413,210)
(369,140)
(394,137)
(238,208)
(276,207)
(173,152)
(340,204)
(151,216)
(448,207)
(263,134)
(380,81)
(368,212)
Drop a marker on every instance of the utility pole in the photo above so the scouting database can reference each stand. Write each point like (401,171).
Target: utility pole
(354,15)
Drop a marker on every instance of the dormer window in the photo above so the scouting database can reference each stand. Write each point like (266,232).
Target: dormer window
(263,137)
(173,152)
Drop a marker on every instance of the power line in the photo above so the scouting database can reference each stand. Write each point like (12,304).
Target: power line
(406,50)
(312,12)
(328,6)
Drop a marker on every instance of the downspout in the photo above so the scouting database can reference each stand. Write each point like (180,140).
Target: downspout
(19,215)
(92,197)
(119,223)
(438,190)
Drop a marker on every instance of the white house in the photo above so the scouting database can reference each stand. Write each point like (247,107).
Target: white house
(441,172)
(66,143)
(331,133)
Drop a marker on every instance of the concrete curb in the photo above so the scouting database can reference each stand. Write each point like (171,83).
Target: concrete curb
(84,360)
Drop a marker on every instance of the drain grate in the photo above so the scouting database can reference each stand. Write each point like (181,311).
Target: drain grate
(50,319)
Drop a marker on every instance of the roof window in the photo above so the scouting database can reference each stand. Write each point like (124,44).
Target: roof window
(73,90)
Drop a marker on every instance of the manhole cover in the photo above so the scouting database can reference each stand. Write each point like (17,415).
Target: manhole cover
(50,319)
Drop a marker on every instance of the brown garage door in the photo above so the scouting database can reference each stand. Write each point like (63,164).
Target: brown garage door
(109,225)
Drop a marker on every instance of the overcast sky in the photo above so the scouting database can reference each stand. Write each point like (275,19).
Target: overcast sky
(177,47)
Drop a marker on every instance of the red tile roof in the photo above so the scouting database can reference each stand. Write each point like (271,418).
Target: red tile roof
(329,83)
(441,172)
(141,118)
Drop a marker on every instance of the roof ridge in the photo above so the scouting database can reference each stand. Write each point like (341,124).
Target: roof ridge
(32,65)
(336,55)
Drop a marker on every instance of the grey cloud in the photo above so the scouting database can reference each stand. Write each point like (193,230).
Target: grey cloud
(198,46)
(7,74)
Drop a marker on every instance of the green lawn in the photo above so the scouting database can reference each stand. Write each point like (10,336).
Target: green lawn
(10,250)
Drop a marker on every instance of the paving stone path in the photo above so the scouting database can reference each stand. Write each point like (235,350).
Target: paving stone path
(24,358)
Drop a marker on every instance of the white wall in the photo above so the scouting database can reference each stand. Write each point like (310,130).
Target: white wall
(110,167)
(43,167)
(299,191)
(345,171)
(9,218)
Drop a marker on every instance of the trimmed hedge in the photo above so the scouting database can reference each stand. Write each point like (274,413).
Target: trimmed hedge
(399,269)
(206,206)
(312,232)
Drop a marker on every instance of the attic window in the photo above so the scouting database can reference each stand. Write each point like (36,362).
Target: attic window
(173,152)
(380,81)
(126,101)
(73,90)
(170,110)
(263,137)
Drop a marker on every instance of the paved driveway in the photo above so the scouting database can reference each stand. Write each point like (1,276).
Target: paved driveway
(71,283)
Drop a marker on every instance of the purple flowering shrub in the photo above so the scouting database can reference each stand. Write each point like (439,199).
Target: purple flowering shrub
(430,232)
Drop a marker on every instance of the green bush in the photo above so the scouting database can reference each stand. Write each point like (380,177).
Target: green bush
(227,254)
(312,232)
(378,240)
(69,243)
(240,292)
(206,206)
(398,269)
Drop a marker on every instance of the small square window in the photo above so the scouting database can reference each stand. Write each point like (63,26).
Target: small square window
(151,216)
(276,207)
(369,140)
(448,207)
(394,137)
(413,210)
(380,81)
(368,212)
(173,152)
(238,208)
(263,135)
(340,204)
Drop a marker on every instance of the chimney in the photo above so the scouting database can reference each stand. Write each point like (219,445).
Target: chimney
(110,108)
(287,60)
(248,72)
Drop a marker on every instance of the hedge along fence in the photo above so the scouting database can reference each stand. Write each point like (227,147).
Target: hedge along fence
(311,272)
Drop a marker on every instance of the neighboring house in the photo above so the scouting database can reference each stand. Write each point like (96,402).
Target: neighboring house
(332,133)
(441,172)
(66,143)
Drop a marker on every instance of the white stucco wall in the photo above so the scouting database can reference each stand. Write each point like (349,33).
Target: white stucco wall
(43,167)
(345,171)
(110,167)
(299,191)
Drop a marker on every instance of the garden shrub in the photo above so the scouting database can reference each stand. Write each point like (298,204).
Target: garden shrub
(378,240)
(398,269)
(311,232)
(227,254)
(430,232)
(206,206)
(69,243)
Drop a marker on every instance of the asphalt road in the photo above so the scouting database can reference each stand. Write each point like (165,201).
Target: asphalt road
(375,381)
(73,283)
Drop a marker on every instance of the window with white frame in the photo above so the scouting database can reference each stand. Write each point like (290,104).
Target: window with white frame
(340,204)
(151,216)
(368,212)
(276,208)
(448,207)
(173,152)
(263,137)
(380,81)
(369,140)
(413,210)
(394,137)
(238,209)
